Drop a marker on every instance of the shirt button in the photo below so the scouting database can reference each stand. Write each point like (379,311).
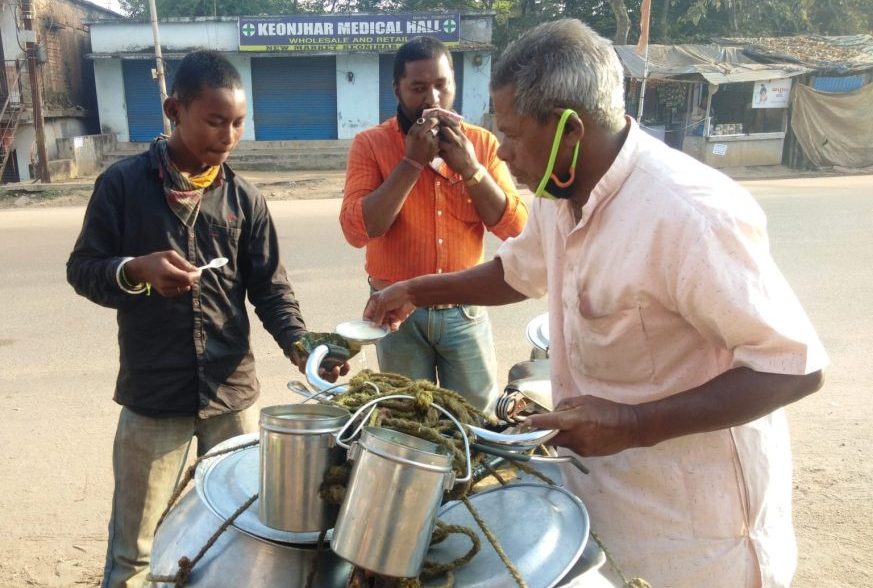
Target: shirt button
(440,241)
(439,270)
(437,183)
(439,213)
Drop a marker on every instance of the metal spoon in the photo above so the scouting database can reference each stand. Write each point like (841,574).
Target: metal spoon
(214,264)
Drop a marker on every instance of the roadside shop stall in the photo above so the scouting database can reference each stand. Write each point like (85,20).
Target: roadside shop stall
(712,102)
(829,119)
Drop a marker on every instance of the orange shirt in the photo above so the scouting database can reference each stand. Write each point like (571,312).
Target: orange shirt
(438,229)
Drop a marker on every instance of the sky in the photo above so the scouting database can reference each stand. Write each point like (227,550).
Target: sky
(111,4)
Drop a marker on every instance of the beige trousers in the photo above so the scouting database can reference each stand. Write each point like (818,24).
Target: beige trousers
(148,458)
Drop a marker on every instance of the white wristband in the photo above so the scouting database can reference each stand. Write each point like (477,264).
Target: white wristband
(138,289)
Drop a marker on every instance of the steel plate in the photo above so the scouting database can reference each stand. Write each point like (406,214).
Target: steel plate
(226,481)
(543,530)
(361,331)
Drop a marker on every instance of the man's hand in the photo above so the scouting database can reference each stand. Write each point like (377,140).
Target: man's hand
(456,149)
(390,306)
(331,375)
(169,273)
(421,144)
(590,426)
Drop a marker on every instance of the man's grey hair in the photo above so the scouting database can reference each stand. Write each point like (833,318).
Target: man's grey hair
(563,64)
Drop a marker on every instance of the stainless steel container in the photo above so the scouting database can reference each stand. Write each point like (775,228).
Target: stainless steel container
(393,496)
(247,553)
(297,447)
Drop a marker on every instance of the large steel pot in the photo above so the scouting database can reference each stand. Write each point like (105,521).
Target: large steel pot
(250,553)
(247,553)
(237,558)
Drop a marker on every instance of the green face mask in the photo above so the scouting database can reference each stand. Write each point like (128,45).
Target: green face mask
(551,186)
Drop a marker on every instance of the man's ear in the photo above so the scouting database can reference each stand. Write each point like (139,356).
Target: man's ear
(171,109)
(574,128)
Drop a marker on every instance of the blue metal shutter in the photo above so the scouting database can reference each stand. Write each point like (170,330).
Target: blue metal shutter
(458,63)
(295,98)
(838,84)
(143,98)
(387,99)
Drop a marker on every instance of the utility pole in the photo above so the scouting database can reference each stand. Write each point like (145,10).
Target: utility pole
(42,170)
(643,44)
(159,60)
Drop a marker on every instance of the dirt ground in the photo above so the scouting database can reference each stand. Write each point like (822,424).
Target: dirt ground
(831,435)
(274,186)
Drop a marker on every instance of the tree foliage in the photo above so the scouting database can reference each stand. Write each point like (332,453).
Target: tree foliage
(673,21)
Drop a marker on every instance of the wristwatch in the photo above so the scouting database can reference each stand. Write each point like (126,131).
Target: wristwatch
(476,177)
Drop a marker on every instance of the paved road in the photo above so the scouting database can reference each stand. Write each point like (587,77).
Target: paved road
(58,359)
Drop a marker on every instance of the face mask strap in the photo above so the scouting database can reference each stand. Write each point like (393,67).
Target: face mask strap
(556,143)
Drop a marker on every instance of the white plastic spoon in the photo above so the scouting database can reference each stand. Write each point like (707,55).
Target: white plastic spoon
(214,264)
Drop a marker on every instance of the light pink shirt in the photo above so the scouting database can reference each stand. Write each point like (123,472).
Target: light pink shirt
(665,283)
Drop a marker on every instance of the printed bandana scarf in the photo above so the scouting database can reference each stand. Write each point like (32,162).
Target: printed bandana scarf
(183,193)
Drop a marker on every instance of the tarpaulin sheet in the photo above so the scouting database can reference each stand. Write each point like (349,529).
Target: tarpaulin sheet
(834,129)
(839,55)
(694,63)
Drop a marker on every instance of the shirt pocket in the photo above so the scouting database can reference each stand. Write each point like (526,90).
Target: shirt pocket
(460,204)
(224,240)
(613,347)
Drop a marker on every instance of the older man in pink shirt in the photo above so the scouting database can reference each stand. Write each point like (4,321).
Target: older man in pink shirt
(675,340)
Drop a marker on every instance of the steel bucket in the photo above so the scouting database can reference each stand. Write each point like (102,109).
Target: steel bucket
(298,445)
(391,503)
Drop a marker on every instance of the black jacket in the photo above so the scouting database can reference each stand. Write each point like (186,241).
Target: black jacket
(188,355)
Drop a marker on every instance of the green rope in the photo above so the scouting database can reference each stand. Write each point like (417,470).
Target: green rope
(513,571)
(419,418)
(530,470)
(443,530)
(415,417)
(632,583)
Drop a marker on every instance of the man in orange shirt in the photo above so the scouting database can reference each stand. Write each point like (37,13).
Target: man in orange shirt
(420,193)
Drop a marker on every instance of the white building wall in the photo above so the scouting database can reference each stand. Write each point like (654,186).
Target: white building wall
(58,128)
(477,75)
(357,100)
(25,136)
(111,105)
(243,64)
(110,37)
(9,31)
(357,93)
(25,141)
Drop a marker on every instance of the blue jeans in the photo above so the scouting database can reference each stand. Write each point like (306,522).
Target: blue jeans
(148,457)
(452,347)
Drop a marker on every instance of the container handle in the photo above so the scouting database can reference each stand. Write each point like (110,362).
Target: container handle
(371,405)
(322,386)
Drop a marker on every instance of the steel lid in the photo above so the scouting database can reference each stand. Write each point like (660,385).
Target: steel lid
(537,332)
(404,448)
(226,481)
(543,529)
(303,419)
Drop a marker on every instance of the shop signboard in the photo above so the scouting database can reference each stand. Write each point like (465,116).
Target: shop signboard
(344,33)
(771,93)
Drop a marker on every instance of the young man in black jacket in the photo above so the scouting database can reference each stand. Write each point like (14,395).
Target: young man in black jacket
(186,365)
